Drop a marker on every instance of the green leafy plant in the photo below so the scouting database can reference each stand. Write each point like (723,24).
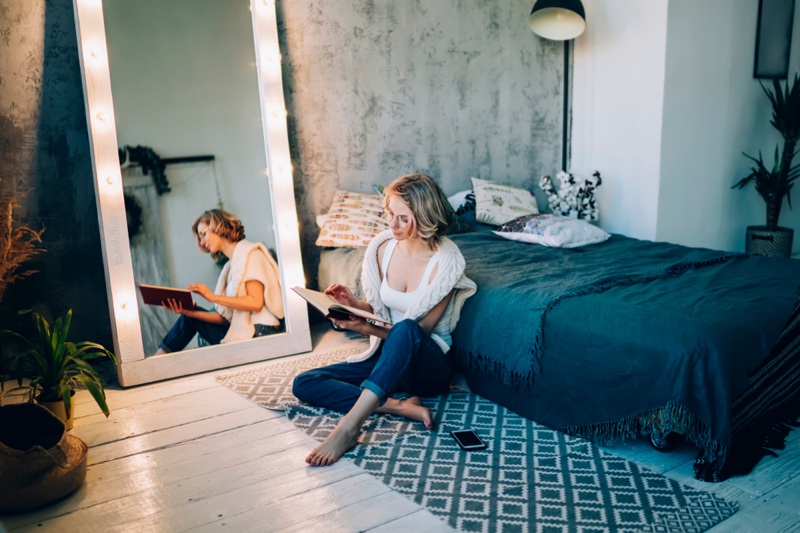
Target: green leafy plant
(54,365)
(776,183)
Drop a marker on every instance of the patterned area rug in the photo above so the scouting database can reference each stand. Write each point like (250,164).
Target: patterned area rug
(530,478)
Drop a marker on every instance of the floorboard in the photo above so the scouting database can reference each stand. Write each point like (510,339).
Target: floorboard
(189,454)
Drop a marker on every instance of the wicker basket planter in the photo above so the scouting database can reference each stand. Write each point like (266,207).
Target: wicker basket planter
(770,242)
(39,462)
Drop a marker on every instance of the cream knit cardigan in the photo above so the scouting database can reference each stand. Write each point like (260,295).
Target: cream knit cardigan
(449,276)
(242,326)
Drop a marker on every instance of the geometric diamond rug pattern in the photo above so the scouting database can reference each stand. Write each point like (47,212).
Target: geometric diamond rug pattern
(530,477)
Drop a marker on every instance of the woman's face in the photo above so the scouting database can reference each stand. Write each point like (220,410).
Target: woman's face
(400,218)
(208,239)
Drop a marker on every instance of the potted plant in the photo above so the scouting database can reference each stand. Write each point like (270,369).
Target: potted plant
(55,365)
(775,183)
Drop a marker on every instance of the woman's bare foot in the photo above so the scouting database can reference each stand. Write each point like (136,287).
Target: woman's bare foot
(409,408)
(335,445)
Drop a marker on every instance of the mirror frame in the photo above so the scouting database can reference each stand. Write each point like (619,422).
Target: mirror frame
(133,367)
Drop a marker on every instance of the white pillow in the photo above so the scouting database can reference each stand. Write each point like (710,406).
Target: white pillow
(557,231)
(497,204)
(463,201)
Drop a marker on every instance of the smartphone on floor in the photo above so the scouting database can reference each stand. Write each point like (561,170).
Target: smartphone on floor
(468,439)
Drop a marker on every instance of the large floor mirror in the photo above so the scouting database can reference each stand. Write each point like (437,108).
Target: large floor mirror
(186,113)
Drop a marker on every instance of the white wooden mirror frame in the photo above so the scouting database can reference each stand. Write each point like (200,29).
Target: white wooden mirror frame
(133,367)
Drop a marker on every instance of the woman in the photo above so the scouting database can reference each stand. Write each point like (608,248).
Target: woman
(414,276)
(247,300)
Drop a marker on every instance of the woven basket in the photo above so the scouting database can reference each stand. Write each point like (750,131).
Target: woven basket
(770,242)
(39,462)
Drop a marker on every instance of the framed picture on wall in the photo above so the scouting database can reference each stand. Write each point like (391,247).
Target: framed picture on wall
(773,38)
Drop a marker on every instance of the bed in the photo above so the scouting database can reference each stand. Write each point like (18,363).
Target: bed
(629,337)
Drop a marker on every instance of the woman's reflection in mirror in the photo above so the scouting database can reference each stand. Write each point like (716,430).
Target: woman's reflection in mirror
(248,301)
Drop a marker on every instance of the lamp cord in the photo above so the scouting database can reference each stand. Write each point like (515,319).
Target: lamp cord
(565,120)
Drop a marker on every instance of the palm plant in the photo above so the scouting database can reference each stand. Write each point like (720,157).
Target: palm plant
(776,183)
(54,365)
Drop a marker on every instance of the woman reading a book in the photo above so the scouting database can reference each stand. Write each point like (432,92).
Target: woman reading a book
(413,278)
(247,299)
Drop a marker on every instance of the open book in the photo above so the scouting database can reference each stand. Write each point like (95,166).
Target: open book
(333,309)
(154,295)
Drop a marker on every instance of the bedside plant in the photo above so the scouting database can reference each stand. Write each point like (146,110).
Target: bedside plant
(775,183)
(54,365)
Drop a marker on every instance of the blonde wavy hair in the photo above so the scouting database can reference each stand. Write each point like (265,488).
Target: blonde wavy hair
(431,210)
(226,225)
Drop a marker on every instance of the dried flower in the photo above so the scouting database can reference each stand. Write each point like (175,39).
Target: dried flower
(18,243)
(574,197)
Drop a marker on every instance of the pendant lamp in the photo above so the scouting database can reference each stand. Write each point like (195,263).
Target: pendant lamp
(558,20)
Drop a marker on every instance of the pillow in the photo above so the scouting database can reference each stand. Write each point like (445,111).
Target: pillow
(557,231)
(497,204)
(352,221)
(462,202)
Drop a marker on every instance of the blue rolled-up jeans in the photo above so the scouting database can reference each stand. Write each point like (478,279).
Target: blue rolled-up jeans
(409,361)
(184,329)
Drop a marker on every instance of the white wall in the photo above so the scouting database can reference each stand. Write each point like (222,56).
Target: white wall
(184,80)
(713,111)
(618,85)
(664,105)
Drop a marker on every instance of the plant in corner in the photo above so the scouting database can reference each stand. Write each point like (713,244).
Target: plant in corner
(775,182)
(55,365)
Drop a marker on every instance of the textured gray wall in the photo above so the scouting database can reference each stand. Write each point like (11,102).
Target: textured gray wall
(375,89)
(44,146)
(381,88)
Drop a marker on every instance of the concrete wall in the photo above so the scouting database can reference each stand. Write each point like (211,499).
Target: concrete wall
(453,88)
(44,146)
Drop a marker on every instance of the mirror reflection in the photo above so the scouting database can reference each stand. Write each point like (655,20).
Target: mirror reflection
(185,90)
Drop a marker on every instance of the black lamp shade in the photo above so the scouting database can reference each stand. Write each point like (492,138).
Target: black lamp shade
(558,20)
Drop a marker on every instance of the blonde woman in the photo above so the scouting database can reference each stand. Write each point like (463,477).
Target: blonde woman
(247,299)
(414,276)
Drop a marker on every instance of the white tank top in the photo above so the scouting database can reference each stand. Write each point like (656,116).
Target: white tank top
(400,302)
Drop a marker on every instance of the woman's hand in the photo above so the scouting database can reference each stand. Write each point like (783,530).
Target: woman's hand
(354,323)
(176,307)
(342,294)
(202,290)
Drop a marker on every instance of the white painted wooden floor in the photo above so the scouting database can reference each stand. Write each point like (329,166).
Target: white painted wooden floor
(191,454)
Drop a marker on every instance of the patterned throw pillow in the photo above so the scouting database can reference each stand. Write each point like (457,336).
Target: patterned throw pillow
(557,231)
(352,221)
(497,204)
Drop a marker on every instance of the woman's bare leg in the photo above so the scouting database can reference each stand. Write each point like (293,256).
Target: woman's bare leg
(344,435)
(409,408)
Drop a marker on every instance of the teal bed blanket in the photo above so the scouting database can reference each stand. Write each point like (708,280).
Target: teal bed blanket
(594,339)
(610,340)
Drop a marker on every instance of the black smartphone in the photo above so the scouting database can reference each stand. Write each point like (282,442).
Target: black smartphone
(468,439)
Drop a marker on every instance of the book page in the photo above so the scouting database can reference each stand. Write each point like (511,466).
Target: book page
(325,303)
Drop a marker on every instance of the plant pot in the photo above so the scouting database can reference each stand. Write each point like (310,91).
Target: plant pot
(770,242)
(60,410)
(39,462)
